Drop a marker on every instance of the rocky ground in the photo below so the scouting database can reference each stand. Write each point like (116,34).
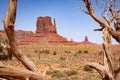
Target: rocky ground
(65,62)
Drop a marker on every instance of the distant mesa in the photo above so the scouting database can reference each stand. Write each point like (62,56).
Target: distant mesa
(20,34)
(86,42)
(86,39)
(44,25)
(46,33)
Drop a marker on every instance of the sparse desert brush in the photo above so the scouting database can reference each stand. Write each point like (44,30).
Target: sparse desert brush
(85,51)
(43,51)
(40,51)
(87,68)
(36,51)
(71,72)
(74,77)
(49,72)
(67,51)
(63,64)
(58,74)
(100,53)
(78,53)
(54,53)
(62,58)
(46,51)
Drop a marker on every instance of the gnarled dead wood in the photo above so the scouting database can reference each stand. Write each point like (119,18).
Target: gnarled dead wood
(110,11)
(9,22)
(13,72)
(92,14)
(9,72)
(106,70)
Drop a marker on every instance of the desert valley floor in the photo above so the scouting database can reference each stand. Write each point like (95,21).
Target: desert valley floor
(65,62)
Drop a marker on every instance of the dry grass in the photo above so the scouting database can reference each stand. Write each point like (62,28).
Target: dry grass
(67,60)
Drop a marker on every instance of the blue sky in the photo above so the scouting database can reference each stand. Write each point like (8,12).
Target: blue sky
(71,22)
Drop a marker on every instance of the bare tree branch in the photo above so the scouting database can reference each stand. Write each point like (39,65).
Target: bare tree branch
(19,73)
(115,18)
(92,14)
(13,72)
(107,70)
(84,10)
(98,67)
(105,16)
(9,21)
(114,34)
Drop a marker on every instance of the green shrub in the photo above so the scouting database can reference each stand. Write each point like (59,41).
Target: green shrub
(40,51)
(79,51)
(76,54)
(4,40)
(46,51)
(62,58)
(63,64)
(100,53)
(74,77)
(85,51)
(67,52)
(58,74)
(36,51)
(72,72)
(87,68)
(49,72)
(54,53)
(43,51)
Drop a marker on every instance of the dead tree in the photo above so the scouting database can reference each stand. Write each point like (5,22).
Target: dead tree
(109,10)
(31,71)
(107,70)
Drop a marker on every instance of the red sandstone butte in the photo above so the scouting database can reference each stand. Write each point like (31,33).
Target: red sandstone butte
(46,33)
(44,25)
(19,34)
(86,42)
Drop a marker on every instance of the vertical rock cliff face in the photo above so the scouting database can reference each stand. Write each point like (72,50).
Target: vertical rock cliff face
(44,25)
(86,39)
(86,42)
(20,34)
(46,33)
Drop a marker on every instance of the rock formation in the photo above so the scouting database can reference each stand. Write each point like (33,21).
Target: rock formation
(86,39)
(86,42)
(46,33)
(44,25)
(20,34)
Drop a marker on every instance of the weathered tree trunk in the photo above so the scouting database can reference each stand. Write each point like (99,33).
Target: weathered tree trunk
(107,71)
(115,19)
(8,71)
(9,22)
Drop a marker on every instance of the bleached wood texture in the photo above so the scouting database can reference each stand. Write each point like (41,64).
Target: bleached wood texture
(7,72)
(109,11)
(106,70)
